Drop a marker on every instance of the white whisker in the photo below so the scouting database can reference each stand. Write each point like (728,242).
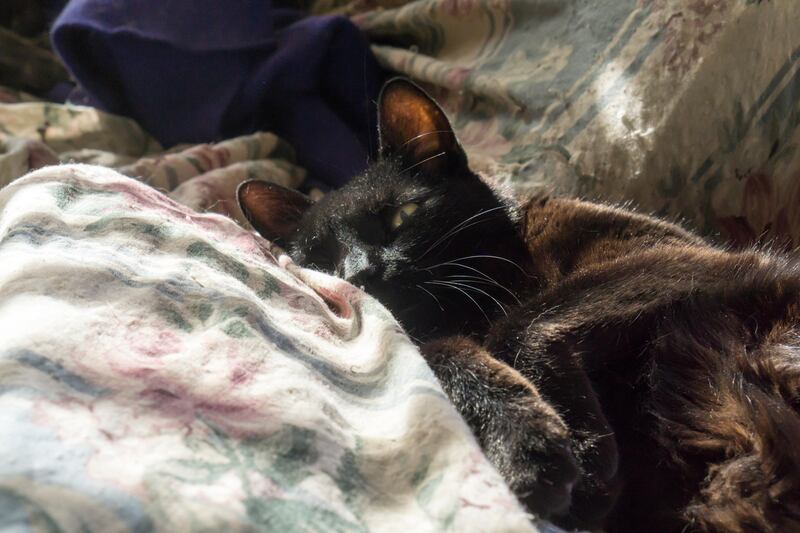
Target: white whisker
(423,161)
(459,228)
(470,287)
(462,291)
(432,296)
(493,257)
(412,139)
(476,279)
(480,273)
(453,263)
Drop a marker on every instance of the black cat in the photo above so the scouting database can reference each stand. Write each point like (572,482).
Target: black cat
(618,371)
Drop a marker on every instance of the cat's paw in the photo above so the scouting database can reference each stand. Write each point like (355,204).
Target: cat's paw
(531,449)
(519,431)
(597,491)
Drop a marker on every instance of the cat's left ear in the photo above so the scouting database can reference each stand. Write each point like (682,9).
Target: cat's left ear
(274,211)
(413,126)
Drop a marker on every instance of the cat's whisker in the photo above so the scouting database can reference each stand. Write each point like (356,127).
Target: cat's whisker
(453,263)
(488,279)
(476,279)
(432,296)
(455,232)
(452,232)
(465,293)
(470,287)
(415,339)
(421,135)
(466,267)
(449,237)
(418,163)
(497,257)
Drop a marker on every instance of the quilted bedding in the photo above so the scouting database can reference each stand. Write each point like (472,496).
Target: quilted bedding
(163,369)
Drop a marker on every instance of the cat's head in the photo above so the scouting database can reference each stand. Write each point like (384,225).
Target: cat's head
(418,229)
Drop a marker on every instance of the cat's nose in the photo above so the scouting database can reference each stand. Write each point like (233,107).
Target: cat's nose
(357,267)
(362,277)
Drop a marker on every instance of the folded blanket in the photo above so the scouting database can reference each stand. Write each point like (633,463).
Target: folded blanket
(203,70)
(203,177)
(163,370)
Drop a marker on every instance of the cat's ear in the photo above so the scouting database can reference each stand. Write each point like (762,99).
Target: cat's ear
(274,211)
(413,126)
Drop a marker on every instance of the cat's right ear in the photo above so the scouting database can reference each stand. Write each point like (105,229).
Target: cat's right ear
(413,126)
(273,210)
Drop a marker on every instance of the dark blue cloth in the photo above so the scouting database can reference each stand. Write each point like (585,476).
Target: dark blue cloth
(204,70)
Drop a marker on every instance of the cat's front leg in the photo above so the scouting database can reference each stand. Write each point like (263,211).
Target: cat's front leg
(552,363)
(520,433)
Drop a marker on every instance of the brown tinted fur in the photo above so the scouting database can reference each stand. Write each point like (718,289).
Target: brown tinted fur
(692,351)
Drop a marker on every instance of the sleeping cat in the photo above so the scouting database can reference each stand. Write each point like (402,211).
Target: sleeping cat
(620,372)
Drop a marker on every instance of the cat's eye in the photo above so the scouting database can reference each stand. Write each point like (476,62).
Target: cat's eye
(402,214)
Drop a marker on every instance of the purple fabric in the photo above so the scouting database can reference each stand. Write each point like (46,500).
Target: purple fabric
(202,70)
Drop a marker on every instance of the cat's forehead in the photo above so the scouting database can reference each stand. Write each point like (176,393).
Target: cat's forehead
(384,184)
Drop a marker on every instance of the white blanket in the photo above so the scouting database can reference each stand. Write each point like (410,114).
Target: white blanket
(163,370)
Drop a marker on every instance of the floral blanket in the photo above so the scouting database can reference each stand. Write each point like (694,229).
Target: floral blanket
(203,177)
(688,108)
(163,370)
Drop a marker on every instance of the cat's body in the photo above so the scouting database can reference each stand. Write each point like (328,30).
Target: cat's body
(619,371)
(692,353)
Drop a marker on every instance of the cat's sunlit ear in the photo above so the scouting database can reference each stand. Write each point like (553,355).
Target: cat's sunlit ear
(274,211)
(413,126)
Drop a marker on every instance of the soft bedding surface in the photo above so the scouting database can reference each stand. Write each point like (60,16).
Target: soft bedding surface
(203,177)
(683,107)
(162,369)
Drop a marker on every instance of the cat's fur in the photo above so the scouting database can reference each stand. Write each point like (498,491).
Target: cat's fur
(619,371)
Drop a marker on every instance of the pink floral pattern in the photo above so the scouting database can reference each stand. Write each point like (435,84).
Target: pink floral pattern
(203,177)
